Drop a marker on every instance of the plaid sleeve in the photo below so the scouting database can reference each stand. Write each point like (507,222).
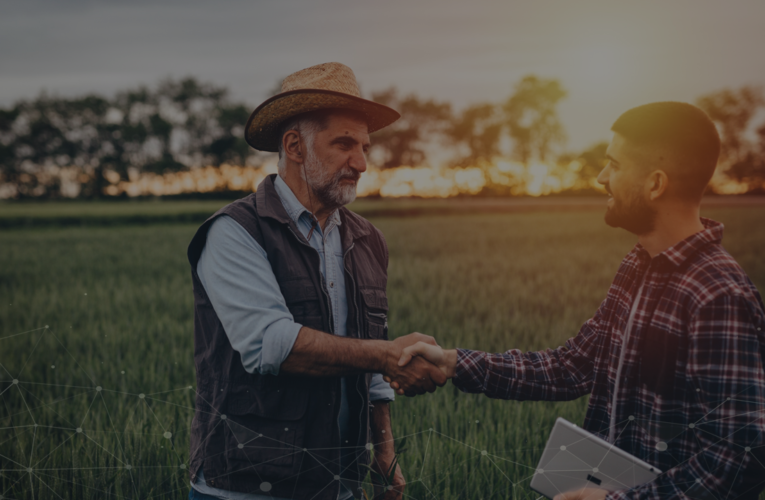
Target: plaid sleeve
(558,374)
(725,367)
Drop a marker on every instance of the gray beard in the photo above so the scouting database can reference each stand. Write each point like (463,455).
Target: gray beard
(326,187)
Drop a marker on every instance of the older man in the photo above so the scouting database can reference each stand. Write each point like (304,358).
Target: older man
(291,312)
(673,358)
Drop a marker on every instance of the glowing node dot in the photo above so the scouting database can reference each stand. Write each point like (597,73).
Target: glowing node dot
(747,449)
(265,486)
(484,452)
(29,469)
(595,470)
(223,417)
(86,294)
(390,487)
(337,478)
(698,390)
(183,466)
(541,471)
(79,430)
(631,418)
(661,446)
(53,366)
(563,447)
(305,449)
(370,446)
(476,421)
(123,372)
(431,429)
(286,428)
(15,381)
(189,386)
(128,466)
(46,326)
(691,426)
(240,446)
(698,480)
(98,389)
(168,435)
(383,431)
(142,395)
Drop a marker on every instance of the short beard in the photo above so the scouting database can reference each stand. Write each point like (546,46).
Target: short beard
(326,187)
(634,215)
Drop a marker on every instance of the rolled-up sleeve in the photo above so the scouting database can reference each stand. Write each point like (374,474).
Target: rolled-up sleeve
(560,374)
(238,279)
(380,390)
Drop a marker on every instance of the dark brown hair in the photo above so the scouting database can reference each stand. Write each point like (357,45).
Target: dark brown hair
(683,130)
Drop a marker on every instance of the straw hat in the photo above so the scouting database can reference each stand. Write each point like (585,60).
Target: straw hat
(325,86)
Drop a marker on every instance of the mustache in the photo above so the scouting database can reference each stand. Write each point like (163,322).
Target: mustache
(348,173)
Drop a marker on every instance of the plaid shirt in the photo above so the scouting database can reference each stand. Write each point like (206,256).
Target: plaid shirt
(691,390)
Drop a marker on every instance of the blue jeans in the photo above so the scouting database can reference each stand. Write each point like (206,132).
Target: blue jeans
(195,495)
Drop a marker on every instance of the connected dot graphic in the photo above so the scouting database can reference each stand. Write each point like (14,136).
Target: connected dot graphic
(81,438)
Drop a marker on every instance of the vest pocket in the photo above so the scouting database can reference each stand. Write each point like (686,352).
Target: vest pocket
(264,430)
(303,302)
(375,312)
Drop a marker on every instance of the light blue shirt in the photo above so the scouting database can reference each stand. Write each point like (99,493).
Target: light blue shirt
(237,276)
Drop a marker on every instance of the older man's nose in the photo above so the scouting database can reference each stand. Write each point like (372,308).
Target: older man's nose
(358,161)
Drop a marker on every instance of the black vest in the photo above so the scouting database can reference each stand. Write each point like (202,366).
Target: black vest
(279,434)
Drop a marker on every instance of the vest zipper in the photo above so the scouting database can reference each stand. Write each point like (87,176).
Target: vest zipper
(332,331)
(358,332)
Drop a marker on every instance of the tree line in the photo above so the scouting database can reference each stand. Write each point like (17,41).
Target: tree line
(53,147)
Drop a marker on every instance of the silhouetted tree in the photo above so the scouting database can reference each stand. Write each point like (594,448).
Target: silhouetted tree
(85,141)
(403,143)
(591,161)
(477,129)
(532,118)
(732,111)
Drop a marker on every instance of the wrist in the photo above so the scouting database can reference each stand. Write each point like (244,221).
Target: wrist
(450,362)
(384,356)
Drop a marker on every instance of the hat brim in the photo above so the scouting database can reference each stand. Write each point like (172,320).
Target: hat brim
(262,129)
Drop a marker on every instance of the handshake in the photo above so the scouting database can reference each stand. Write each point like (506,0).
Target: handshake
(416,364)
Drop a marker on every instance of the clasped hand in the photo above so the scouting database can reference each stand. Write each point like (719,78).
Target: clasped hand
(420,366)
(417,375)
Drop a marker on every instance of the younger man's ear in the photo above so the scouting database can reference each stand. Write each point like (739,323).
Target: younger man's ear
(293,146)
(656,184)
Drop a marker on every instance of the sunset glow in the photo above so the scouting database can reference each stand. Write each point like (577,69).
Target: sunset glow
(425,182)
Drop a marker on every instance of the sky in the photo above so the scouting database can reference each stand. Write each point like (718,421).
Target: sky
(610,56)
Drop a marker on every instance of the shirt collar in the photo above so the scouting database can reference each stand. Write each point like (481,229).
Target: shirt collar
(680,252)
(292,205)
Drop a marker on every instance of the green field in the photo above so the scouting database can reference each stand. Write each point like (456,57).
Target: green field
(96,326)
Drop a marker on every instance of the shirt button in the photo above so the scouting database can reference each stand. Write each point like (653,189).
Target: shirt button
(332,284)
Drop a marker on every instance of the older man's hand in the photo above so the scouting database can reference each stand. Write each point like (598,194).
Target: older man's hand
(583,494)
(417,377)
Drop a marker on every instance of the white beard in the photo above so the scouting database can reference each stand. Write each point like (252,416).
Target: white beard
(327,187)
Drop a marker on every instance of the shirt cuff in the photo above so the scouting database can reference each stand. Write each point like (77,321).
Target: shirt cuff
(380,390)
(470,371)
(277,344)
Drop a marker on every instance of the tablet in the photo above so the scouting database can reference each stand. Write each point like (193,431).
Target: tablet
(575,459)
